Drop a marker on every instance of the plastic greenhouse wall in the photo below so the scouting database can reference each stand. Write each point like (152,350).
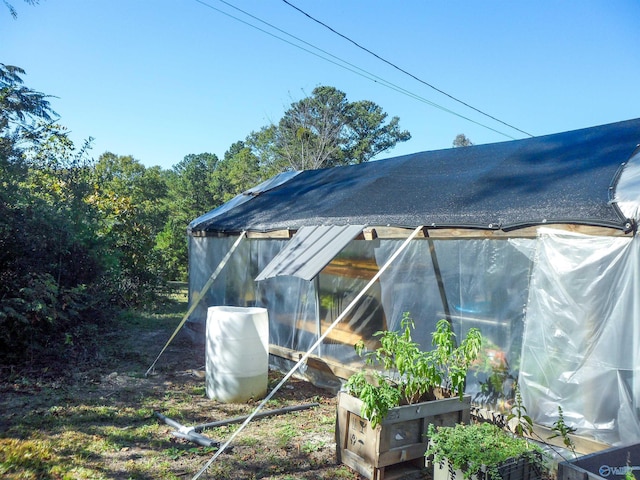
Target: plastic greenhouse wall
(581,347)
(576,294)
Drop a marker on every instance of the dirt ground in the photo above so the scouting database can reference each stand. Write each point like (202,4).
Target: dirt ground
(100,422)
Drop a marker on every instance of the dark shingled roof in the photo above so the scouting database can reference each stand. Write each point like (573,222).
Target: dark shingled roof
(560,178)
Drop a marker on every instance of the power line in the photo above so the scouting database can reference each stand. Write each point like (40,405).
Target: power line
(344,64)
(404,71)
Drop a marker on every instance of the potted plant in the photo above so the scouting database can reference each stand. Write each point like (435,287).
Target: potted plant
(482,451)
(383,415)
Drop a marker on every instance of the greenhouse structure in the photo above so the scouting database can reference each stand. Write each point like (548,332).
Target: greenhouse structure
(532,241)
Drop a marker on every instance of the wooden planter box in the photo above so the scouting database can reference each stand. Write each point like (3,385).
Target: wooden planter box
(609,464)
(513,469)
(400,439)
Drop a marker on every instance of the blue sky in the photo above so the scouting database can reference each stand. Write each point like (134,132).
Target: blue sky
(160,79)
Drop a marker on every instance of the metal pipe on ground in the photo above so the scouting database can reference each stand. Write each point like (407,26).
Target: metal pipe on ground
(188,433)
(267,413)
(192,433)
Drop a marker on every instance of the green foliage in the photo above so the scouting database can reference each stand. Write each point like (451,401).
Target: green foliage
(410,375)
(461,140)
(325,130)
(13,11)
(172,248)
(76,237)
(452,363)
(22,107)
(238,171)
(312,446)
(523,423)
(26,456)
(470,448)
(50,257)
(377,396)
(562,430)
(192,187)
(192,190)
(130,199)
(285,434)
(79,236)
(367,135)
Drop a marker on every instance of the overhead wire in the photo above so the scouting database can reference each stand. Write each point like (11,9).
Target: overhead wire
(403,70)
(335,60)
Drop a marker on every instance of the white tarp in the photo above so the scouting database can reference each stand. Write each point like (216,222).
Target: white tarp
(582,337)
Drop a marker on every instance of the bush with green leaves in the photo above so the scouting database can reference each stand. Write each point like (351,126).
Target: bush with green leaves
(406,374)
(52,259)
(480,447)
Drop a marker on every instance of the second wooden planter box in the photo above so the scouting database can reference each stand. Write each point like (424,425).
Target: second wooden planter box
(400,438)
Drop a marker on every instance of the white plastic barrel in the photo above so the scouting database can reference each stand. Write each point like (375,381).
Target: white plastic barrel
(237,354)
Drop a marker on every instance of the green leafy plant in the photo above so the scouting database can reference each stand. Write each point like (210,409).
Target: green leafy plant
(561,429)
(285,434)
(409,375)
(523,423)
(480,447)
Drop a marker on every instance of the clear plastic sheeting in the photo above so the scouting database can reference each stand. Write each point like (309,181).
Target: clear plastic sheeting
(627,188)
(581,347)
(483,284)
(337,285)
(234,286)
(577,295)
(291,305)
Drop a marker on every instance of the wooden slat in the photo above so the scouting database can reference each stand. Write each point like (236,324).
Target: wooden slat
(384,232)
(277,234)
(321,364)
(434,407)
(364,268)
(528,232)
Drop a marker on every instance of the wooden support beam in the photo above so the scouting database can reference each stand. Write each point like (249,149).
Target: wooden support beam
(276,234)
(322,364)
(386,232)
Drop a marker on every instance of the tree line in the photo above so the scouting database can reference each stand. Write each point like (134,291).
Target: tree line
(81,237)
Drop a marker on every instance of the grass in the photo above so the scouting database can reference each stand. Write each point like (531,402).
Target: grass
(97,421)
